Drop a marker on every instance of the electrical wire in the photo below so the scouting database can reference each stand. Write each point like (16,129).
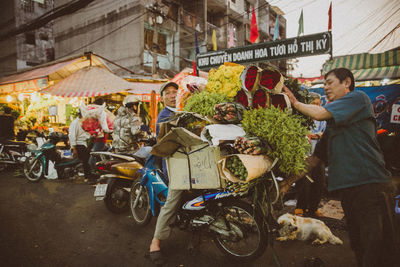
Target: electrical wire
(222,25)
(102,37)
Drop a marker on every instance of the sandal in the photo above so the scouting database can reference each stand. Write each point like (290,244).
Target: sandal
(157,257)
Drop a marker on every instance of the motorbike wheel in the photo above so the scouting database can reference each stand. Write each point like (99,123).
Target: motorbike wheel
(141,213)
(117,198)
(33,169)
(4,156)
(247,238)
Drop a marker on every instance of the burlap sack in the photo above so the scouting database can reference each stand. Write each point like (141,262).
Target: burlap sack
(256,165)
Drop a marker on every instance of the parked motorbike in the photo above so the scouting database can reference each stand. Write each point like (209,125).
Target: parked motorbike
(149,194)
(118,173)
(236,227)
(37,165)
(12,153)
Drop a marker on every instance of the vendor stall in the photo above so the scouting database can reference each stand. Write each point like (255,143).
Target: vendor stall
(238,121)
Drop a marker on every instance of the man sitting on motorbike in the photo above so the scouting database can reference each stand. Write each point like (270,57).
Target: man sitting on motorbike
(127,126)
(168,94)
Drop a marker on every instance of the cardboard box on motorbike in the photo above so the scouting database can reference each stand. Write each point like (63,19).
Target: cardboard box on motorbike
(191,163)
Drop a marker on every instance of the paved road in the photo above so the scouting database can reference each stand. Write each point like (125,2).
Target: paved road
(58,223)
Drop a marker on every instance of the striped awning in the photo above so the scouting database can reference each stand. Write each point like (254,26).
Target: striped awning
(368,66)
(38,77)
(88,82)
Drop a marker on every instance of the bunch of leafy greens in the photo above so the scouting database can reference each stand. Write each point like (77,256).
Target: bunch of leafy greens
(284,133)
(302,95)
(203,103)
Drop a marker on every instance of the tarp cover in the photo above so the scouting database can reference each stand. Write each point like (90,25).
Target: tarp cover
(383,98)
(368,66)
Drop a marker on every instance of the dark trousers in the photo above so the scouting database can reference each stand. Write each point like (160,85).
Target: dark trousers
(84,155)
(309,194)
(369,225)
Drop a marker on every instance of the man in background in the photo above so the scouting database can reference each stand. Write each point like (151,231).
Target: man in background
(78,140)
(7,125)
(310,193)
(127,126)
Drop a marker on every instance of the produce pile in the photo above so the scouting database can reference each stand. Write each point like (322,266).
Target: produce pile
(249,98)
(228,112)
(249,145)
(203,103)
(283,132)
(236,167)
(225,80)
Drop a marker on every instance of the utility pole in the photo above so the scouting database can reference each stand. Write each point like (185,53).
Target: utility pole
(154,49)
(155,9)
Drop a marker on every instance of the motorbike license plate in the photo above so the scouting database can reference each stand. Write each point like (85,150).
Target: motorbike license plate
(100,191)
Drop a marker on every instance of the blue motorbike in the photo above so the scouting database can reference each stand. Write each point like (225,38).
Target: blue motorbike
(236,227)
(149,194)
(37,164)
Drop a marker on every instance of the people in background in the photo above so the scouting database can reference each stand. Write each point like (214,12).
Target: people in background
(99,143)
(7,125)
(127,126)
(309,193)
(78,140)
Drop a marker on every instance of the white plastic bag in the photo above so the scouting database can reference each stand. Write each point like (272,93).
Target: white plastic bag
(96,119)
(52,173)
(220,132)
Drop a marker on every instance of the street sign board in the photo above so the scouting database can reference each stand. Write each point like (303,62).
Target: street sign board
(309,45)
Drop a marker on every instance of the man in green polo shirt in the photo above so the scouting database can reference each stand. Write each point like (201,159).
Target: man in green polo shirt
(356,166)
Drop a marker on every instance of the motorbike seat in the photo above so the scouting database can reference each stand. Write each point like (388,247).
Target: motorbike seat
(139,159)
(67,161)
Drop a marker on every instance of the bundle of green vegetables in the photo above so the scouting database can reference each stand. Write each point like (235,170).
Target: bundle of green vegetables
(303,95)
(236,167)
(191,122)
(228,112)
(285,134)
(249,145)
(203,103)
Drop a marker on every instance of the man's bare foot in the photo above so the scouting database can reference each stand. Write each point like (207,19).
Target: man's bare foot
(155,245)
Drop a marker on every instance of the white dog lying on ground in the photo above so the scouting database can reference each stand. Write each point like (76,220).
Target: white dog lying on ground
(295,227)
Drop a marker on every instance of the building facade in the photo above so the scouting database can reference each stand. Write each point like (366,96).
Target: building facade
(124,31)
(31,47)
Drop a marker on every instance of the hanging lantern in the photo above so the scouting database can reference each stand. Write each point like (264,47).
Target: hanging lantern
(9,98)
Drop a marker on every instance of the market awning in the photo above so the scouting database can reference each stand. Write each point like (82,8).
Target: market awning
(88,82)
(368,66)
(38,77)
(144,88)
